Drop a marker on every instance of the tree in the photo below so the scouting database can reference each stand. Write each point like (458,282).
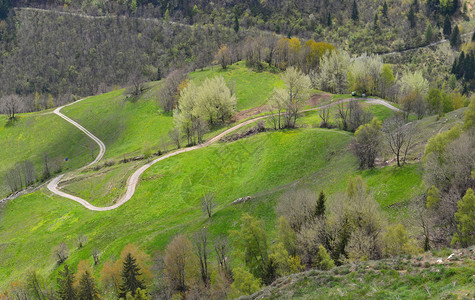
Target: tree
(465,235)
(455,39)
(208,204)
(175,135)
(10,105)
(469,116)
(354,12)
(433,197)
(429,33)
(169,92)
(244,283)
(411,17)
(323,260)
(399,137)
(324,114)
(385,9)
(65,284)
(236,24)
(286,236)
(200,242)
(397,242)
(224,56)
(130,277)
(61,253)
(447,28)
(297,206)
(87,289)
(365,73)
(332,74)
(292,97)
(95,256)
(251,242)
(367,143)
(221,249)
(320,208)
(180,264)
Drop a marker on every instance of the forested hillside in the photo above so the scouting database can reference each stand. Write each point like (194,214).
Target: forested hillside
(158,149)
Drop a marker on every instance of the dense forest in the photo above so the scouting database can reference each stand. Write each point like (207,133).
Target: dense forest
(65,50)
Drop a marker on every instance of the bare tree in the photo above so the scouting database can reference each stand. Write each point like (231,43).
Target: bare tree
(170,91)
(224,56)
(221,247)
(208,204)
(46,166)
(61,253)
(200,241)
(324,114)
(95,255)
(298,207)
(175,136)
(342,115)
(11,105)
(28,169)
(13,179)
(82,240)
(399,137)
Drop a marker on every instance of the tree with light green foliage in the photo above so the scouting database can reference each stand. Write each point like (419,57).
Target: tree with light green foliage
(414,82)
(286,235)
(365,74)
(469,115)
(437,143)
(285,264)
(396,241)
(244,283)
(291,98)
(323,260)
(465,219)
(251,243)
(433,197)
(332,73)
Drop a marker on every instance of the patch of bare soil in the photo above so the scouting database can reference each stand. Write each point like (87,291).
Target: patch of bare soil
(249,113)
(319,99)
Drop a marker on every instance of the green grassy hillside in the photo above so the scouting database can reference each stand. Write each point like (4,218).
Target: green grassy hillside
(33,135)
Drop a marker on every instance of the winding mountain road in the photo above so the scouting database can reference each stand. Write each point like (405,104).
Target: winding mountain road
(133,180)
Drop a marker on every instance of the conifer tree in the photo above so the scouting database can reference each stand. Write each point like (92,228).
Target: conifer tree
(447,29)
(329,20)
(385,10)
(375,22)
(65,284)
(130,277)
(455,40)
(429,33)
(411,17)
(320,208)
(87,288)
(354,12)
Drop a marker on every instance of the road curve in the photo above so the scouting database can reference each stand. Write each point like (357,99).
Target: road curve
(133,180)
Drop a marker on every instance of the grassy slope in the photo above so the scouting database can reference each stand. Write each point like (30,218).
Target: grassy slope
(34,134)
(167,200)
(252,89)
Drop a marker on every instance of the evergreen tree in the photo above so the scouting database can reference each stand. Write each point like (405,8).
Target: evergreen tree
(469,67)
(130,277)
(329,20)
(455,39)
(429,33)
(375,22)
(411,17)
(236,24)
(473,37)
(385,10)
(87,288)
(65,284)
(320,208)
(354,12)
(447,29)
